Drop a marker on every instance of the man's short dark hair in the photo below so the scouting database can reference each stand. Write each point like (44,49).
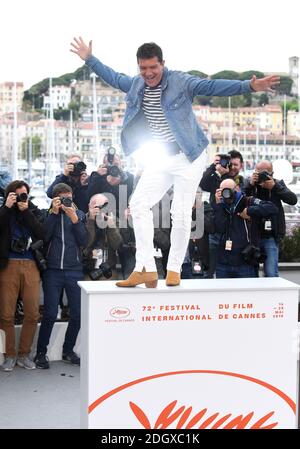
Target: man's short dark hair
(14,185)
(61,188)
(234,154)
(149,50)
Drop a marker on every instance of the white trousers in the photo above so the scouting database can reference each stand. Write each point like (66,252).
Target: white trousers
(154,183)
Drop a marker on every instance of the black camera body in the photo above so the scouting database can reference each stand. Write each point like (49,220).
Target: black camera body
(227,194)
(103,270)
(22,197)
(114,171)
(111,152)
(263,176)
(196,263)
(225,160)
(79,167)
(38,254)
(19,245)
(66,201)
(252,255)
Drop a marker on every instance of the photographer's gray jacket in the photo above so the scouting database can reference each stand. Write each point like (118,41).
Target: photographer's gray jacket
(178,92)
(65,241)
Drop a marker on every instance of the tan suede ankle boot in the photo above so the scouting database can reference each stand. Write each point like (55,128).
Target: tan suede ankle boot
(137,277)
(172,278)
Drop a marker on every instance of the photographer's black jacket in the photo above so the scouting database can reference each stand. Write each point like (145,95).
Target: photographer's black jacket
(80,192)
(98,184)
(279,193)
(30,218)
(64,241)
(211,181)
(242,233)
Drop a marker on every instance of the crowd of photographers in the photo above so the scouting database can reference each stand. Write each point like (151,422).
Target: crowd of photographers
(87,234)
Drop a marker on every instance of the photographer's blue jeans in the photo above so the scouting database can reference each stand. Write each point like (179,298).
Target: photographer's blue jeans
(53,283)
(270,248)
(230,271)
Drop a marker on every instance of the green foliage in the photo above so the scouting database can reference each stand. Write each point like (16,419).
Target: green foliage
(263,99)
(290,106)
(36,143)
(238,101)
(285,85)
(34,95)
(202,100)
(62,114)
(226,75)
(290,246)
(198,73)
(249,73)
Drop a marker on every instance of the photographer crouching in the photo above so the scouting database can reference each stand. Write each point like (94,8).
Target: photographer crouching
(103,240)
(76,177)
(65,236)
(20,224)
(237,219)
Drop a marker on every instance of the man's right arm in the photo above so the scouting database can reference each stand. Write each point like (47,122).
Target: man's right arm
(114,79)
(59,178)
(209,181)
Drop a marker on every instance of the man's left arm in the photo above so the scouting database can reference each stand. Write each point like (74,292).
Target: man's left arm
(261,209)
(225,88)
(284,193)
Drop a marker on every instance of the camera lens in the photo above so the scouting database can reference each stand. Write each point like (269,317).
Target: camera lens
(79,167)
(66,201)
(22,197)
(114,171)
(227,194)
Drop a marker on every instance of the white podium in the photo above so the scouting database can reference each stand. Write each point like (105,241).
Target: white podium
(217,353)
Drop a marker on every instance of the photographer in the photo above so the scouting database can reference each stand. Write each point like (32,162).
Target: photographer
(65,236)
(237,220)
(265,187)
(75,176)
(225,166)
(19,275)
(110,178)
(103,240)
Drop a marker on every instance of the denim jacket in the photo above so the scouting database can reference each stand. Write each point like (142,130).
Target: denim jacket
(178,92)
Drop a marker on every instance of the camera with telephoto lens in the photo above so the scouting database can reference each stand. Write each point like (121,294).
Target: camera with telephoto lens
(228,195)
(79,167)
(19,245)
(99,267)
(263,176)
(66,201)
(196,267)
(22,197)
(103,270)
(38,254)
(225,160)
(112,170)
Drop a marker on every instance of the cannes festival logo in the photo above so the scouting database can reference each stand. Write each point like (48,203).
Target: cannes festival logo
(119,312)
(201,399)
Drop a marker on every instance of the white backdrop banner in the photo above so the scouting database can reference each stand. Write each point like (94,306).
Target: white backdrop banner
(210,354)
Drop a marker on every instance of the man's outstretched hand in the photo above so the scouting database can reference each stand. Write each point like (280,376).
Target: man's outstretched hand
(266,84)
(80,48)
